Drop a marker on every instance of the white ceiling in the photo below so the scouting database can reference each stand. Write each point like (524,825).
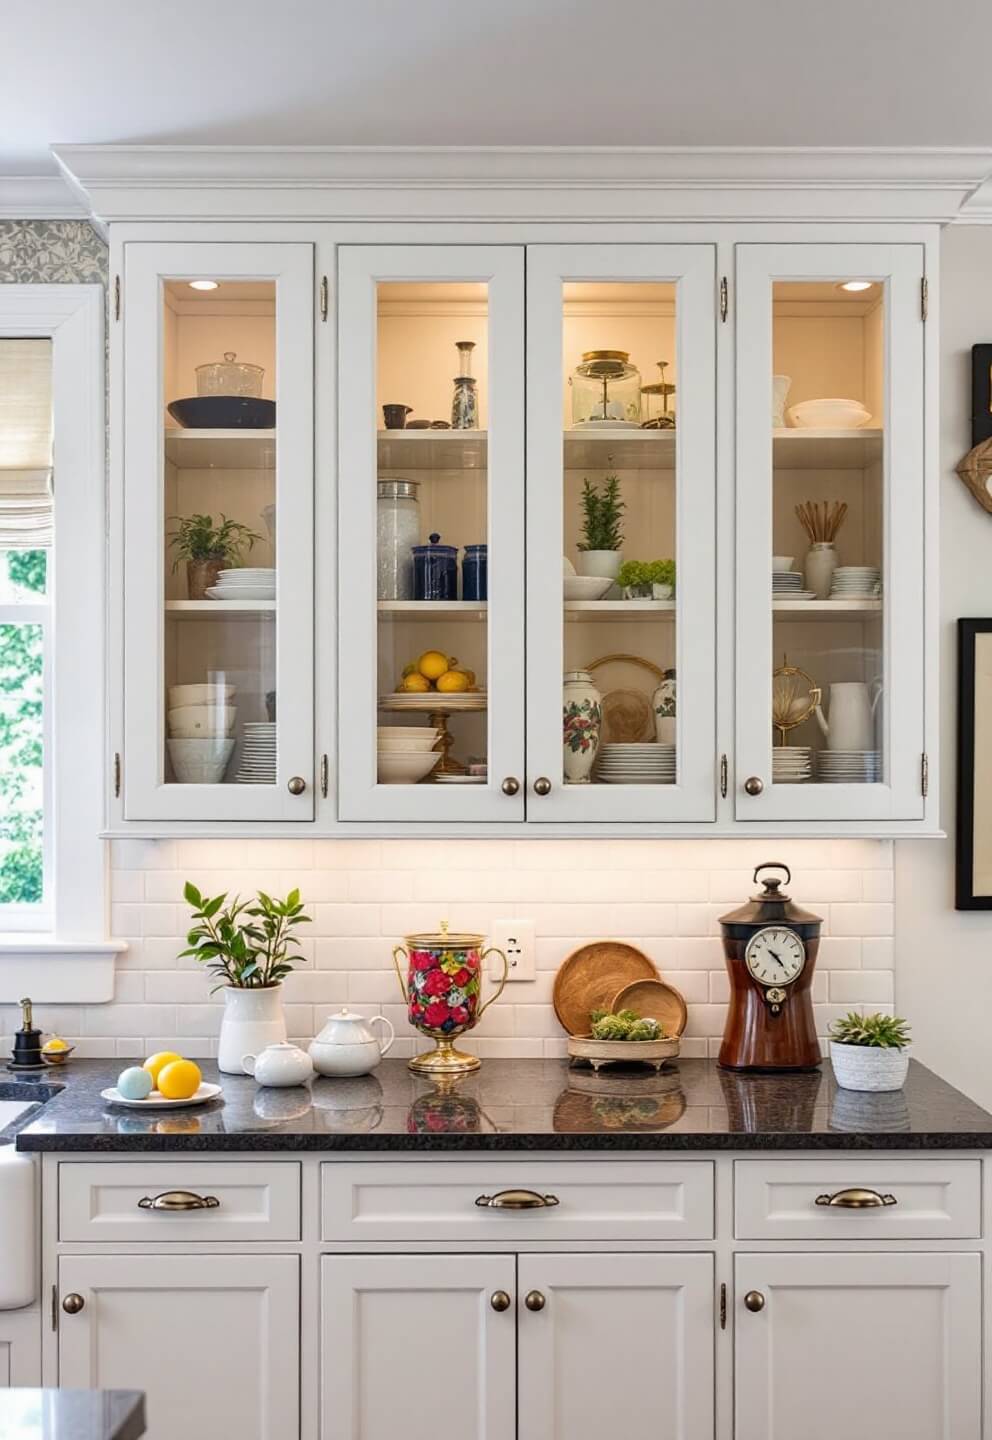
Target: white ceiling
(510,72)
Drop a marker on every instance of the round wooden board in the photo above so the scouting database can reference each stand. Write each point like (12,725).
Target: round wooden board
(590,977)
(654,1000)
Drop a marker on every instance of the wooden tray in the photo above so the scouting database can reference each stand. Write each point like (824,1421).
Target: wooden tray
(654,1000)
(590,978)
(622,1052)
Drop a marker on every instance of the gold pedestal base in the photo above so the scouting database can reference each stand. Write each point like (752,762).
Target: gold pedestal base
(444,1059)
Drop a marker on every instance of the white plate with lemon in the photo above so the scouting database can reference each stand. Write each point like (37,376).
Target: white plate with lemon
(165,1082)
(155,1100)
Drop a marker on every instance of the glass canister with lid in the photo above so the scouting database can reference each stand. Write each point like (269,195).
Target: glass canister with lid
(606,389)
(229,376)
(397,532)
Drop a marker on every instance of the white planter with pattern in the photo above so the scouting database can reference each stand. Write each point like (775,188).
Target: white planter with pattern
(868,1067)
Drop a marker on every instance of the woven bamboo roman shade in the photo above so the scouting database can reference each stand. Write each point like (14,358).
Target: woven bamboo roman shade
(25,444)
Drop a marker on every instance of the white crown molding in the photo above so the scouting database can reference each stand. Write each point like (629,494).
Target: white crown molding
(39,197)
(134,183)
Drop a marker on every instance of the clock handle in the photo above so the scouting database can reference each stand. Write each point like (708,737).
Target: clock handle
(773,865)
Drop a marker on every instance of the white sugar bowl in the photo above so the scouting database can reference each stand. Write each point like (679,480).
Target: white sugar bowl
(348,1045)
(280,1064)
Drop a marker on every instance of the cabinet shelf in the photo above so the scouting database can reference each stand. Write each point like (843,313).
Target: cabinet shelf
(432,609)
(221,449)
(624,610)
(826,449)
(825,610)
(468,449)
(220,609)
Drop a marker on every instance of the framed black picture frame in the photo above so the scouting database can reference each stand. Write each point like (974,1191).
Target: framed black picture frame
(981,393)
(973,854)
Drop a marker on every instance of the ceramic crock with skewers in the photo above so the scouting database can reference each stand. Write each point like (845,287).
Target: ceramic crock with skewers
(442,991)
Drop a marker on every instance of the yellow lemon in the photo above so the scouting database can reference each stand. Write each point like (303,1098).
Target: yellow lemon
(415,682)
(179,1080)
(470,673)
(452,681)
(432,664)
(156,1063)
(56,1043)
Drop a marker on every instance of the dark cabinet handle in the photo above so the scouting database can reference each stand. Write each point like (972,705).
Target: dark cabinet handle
(73,1303)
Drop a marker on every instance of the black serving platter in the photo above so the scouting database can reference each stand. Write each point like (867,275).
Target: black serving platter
(224,412)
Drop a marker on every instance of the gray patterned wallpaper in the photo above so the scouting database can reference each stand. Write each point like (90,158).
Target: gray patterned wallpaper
(51,252)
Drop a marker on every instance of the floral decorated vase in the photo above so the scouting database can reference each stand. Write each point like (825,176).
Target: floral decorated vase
(582,719)
(442,992)
(664,707)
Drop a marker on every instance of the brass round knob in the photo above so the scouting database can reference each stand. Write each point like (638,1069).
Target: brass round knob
(534,1300)
(542,785)
(72,1304)
(754,1301)
(296,785)
(753,785)
(500,1301)
(511,785)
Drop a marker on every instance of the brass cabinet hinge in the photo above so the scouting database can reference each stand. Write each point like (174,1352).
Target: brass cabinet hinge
(117,297)
(323,776)
(117,775)
(55,1307)
(723,1307)
(924,297)
(723,777)
(924,774)
(723,298)
(323,297)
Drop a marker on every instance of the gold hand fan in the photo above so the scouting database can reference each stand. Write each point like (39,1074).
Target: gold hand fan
(795,696)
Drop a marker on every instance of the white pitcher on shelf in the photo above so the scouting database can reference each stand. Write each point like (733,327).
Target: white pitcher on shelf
(852,715)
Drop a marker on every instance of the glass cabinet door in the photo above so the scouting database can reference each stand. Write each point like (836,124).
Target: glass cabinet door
(431,542)
(621,532)
(830,469)
(218,532)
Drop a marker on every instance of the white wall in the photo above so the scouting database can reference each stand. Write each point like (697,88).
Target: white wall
(944,956)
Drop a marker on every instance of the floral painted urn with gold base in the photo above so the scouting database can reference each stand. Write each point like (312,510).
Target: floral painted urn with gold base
(442,990)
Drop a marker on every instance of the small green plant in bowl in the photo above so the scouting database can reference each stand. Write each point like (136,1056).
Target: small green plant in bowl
(602,528)
(624,1025)
(245,944)
(208,548)
(647,579)
(869,1052)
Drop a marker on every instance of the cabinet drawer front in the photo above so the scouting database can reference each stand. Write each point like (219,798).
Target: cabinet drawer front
(105,1201)
(604,1200)
(922,1199)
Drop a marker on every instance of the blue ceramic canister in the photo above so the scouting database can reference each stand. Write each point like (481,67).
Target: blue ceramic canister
(435,571)
(475,573)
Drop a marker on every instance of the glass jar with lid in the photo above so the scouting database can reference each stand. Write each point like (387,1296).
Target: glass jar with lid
(229,376)
(606,390)
(397,532)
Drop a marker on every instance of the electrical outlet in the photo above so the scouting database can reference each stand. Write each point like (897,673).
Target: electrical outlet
(516,940)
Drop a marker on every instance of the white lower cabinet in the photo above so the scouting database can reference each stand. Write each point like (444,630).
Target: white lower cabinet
(20,1348)
(863,1346)
(212,1340)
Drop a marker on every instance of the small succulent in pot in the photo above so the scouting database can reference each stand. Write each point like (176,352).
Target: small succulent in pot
(624,1025)
(208,548)
(869,1052)
(647,579)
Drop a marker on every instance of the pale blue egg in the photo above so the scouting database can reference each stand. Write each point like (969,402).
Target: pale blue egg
(134,1083)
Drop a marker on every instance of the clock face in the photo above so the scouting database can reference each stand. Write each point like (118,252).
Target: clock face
(775,955)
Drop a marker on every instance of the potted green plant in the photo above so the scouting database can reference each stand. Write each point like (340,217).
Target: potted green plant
(869,1052)
(647,579)
(247,946)
(602,529)
(208,548)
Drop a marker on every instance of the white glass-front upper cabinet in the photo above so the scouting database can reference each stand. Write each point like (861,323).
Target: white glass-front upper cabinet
(830,517)
(431,532)
(218,532)
(621,541)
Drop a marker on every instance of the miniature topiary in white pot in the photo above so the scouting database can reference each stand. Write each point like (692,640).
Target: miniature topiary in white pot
(869,1052)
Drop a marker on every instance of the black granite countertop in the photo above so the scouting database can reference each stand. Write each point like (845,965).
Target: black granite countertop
(72,1414)
(517,1105)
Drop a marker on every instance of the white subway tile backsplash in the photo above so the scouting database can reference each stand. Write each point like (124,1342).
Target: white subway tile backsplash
(666,897)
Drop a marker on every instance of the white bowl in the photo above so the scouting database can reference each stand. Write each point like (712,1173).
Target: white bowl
(199,722)
(830,414)
(567,568)
(200,762)
(406,769)
(586,587)
(415,745)
(180,695)
(782,562)
(402,732)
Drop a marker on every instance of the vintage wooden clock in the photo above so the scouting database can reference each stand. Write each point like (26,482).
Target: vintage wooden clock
(770,947)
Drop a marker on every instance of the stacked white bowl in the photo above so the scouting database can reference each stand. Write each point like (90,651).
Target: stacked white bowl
(200,723)
(244,584)
(406,753)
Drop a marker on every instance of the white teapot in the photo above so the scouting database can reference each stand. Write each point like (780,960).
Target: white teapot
(347,1045)
(281,1064)
(852,716)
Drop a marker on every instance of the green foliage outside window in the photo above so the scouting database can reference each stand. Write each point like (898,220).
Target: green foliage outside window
(21,744)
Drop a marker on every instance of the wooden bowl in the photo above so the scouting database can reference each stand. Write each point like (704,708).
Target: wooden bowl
(626,1052)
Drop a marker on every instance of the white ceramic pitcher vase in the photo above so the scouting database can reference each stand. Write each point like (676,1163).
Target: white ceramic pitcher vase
(851,725)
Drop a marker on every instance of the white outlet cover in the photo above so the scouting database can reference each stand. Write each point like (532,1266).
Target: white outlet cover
(517,940)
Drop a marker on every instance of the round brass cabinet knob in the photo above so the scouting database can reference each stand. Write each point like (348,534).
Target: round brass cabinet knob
(534,1300)
(499,1300)
(511,785)
(542,785)
(72,1304)
(296,785)
(754,1301)
(753,785)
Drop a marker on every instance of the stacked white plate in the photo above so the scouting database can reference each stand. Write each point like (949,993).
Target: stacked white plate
(792,764)
(421,700)
(849,767)
(788,585)
(258,753)
(244,584)
(646,764)
(856,582)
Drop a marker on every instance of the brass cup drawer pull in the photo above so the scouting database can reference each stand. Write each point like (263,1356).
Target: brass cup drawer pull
(517,1200)
(178,1200)
(856,1199)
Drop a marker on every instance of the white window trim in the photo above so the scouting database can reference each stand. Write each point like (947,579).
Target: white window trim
(73,962)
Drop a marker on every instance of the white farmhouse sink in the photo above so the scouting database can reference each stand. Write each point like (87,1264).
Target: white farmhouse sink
(18,1216)
(11,1109)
